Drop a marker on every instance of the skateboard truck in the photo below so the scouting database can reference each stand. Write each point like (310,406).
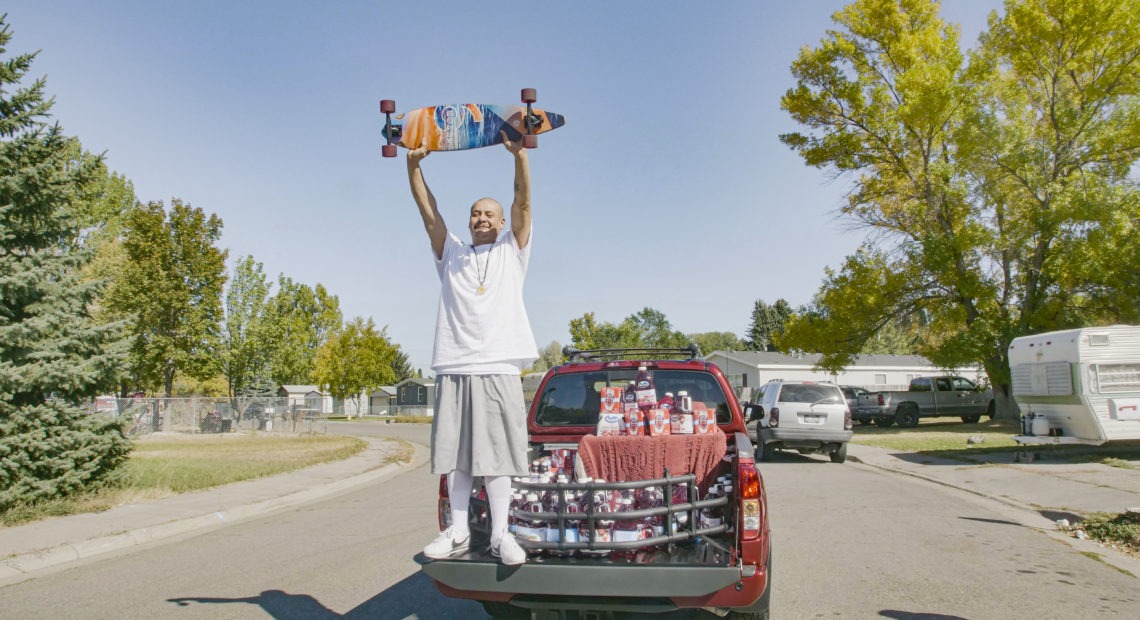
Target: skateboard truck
(392,133)
(532,121)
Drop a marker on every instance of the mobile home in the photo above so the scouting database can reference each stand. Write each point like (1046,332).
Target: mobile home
(1084,382)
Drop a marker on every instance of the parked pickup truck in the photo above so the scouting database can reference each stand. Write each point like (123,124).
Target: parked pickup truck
(927,397)
(689,561)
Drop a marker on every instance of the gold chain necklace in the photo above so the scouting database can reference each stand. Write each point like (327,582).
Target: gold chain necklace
(484,269)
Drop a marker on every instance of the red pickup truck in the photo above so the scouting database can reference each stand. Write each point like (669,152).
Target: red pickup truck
(721,565)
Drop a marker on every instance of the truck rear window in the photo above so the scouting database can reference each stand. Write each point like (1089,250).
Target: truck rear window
(573,399)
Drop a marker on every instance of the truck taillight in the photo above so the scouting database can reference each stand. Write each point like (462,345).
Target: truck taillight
(443,507)
(881,401)
(751,513)
(774,417)
(848,421)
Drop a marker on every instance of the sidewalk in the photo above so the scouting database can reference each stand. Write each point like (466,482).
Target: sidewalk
(1042,492)
(59,541)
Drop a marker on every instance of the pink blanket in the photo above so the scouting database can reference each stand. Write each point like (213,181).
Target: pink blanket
(628,458)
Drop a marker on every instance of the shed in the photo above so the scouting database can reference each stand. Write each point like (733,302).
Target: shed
(415,396)
(305,397)
(382,400)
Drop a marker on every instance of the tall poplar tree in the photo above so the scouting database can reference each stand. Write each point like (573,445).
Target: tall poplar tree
(53,355)
(298,320)
(172,289)
(355,361)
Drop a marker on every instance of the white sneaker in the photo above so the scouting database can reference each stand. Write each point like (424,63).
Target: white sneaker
(448,542)
(509,551)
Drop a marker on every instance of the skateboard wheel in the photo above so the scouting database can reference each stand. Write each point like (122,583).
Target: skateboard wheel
(387,106)
(388,150)
(528,95)
(530,141)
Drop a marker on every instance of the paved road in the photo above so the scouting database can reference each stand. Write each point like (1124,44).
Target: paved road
(851,541)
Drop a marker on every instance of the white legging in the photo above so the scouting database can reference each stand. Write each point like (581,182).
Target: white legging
(459,485)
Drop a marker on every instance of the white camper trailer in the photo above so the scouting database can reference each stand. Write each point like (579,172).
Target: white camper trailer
(1085,383)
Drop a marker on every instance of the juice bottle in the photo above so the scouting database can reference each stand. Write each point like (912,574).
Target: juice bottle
(625,529)
(680,496)
(652,497)
(516,504)
(629,398)
(711,516)
(585,503)
(646,389)
(685,409)
(603,528)
(531,529)
(667,402)
(550,503)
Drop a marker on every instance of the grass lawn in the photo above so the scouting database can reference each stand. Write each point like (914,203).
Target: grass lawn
(939,434)
(946,437)
(167,465)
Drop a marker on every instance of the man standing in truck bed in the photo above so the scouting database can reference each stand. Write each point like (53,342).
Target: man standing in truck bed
(483,341)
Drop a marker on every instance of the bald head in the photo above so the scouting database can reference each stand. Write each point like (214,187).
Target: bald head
(486,221)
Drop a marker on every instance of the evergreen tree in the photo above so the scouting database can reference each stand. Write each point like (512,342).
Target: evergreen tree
(767,324)
(53,355)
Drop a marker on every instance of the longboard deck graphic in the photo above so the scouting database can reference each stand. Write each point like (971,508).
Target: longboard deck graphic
(458,127)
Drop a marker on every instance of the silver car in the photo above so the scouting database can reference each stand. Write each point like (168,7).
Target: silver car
(805,416)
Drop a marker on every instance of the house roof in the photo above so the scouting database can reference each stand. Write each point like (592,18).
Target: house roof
(300,389)
(417,381)
(768,358)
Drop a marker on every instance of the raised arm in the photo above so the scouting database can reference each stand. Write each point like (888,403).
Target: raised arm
(429,211)
(520,208)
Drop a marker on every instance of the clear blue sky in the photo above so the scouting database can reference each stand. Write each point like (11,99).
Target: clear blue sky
(667,188)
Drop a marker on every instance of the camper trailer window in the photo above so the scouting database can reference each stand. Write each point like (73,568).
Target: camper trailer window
(1117,378)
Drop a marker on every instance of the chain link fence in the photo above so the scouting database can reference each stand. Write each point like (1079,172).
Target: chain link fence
(212,415)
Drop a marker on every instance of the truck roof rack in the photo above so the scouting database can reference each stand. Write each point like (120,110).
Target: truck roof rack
(572,354)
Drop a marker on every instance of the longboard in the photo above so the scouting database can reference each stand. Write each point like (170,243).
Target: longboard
(457,127)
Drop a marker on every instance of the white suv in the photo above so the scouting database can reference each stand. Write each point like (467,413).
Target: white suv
(809,417)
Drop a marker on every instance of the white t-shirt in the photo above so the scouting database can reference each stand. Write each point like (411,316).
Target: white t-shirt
(484,332)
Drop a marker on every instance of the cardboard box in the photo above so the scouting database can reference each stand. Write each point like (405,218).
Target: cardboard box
(657,422)
(635,422)
(681,422)
(703,421)
(611,400)
(610,424)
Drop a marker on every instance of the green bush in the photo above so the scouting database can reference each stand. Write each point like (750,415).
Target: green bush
(1122,529)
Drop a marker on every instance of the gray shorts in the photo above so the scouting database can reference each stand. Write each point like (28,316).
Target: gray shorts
(479,425)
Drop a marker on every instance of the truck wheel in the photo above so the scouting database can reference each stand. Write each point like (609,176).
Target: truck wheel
(839,454)
(971,419)
(761,453)
(884,422)
(907,416)
(495,609)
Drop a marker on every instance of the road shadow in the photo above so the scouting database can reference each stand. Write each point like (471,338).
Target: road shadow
(1057,515)
(413,597)
(996,521)
(922,458)
(910,615)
